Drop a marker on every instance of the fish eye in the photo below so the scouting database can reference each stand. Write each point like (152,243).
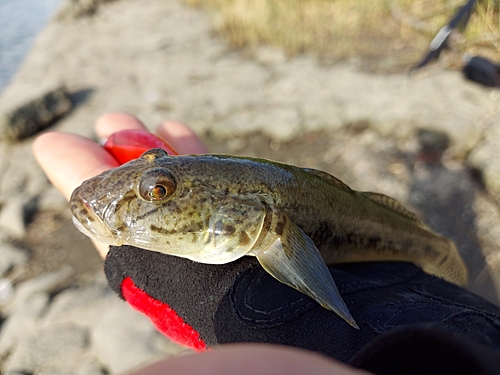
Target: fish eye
(156,184)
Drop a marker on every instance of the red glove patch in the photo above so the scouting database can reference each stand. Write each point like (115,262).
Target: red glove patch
(162,316)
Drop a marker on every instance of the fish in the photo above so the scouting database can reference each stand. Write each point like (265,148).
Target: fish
(296,221)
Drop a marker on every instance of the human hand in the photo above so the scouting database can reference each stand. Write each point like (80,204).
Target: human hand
(239,301)
(68,169)
(249,359)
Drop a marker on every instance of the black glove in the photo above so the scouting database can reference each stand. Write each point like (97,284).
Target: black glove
(201,305)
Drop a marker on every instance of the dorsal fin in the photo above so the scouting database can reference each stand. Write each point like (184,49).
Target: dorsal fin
(329,177)
(391,203)
(382,199)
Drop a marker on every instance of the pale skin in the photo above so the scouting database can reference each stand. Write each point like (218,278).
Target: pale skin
(68,160)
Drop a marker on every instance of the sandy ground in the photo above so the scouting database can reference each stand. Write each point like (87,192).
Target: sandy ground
(409,139)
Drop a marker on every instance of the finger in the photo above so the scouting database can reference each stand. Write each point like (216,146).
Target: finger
(240,359)
(181,137)
(101,248)
(69,159)
(67,170)
(110,123)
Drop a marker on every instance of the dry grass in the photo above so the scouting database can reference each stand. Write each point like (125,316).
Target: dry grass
(397,31)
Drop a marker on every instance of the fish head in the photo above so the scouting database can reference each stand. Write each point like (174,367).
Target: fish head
(159,203)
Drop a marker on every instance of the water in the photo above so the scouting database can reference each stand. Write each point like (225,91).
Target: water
(20,22)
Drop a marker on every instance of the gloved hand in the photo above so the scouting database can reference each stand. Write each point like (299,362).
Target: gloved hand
(202,305)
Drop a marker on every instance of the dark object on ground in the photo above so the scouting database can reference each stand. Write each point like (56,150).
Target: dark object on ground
(36,111)
(440,41)
(202,305)
(483,71)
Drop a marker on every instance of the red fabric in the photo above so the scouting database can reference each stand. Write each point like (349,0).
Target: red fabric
(126,145)
(163,316)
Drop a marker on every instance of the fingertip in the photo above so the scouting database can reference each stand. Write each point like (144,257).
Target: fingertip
(113,122)
(40,142)
(43,146)
(181,137)
(67,170)
(240,359)
(101,248)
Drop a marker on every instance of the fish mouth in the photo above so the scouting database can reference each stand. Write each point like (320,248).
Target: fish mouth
(97,232)
(87,221)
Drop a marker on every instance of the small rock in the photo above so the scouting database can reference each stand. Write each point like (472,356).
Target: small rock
(53,369)
(124,339)
(10,256)
(484,158)
(279,124)
(23,321)
(14,178)
(6,291)
(89,365)
(52,199)
(20,174)
(321,114)
(15,214)
(432,145)
(239,122)
(82,305)
(31,110)
(53,346)
(433,141)
(47,282)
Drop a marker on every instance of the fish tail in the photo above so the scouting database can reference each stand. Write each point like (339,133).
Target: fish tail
(451,267)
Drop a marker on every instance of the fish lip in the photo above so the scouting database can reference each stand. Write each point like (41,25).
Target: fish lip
(92,225)
(99,232)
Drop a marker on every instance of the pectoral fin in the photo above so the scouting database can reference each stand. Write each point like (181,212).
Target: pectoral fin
(233,229)
(290,256)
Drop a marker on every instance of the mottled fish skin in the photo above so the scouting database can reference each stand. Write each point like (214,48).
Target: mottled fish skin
(218,208)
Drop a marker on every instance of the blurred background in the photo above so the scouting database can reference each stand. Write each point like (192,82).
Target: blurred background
(393,34)
(21,21)
(316,83)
